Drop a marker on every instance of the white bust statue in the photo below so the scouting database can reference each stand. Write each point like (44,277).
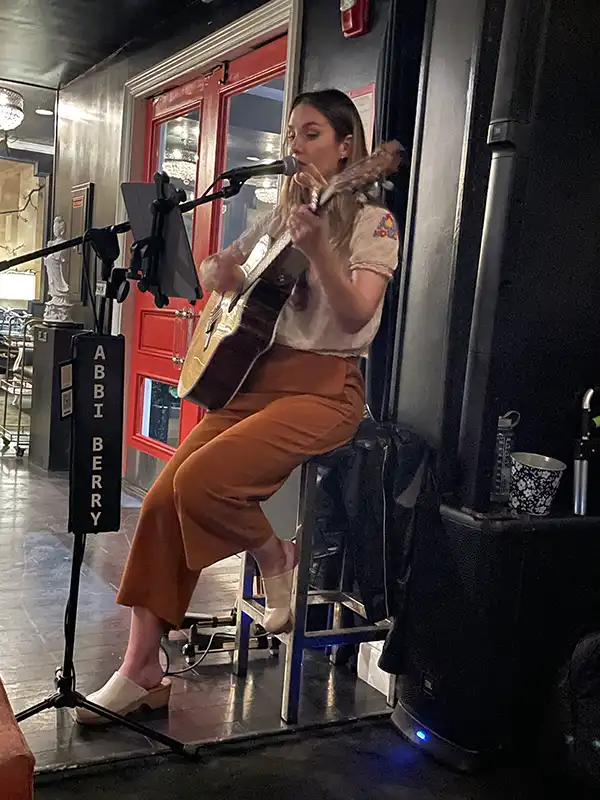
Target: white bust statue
(59,307)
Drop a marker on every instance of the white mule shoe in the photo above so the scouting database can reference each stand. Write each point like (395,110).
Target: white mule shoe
(278,600)
(122,696)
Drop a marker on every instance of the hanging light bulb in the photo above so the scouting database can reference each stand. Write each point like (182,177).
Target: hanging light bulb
(11,109)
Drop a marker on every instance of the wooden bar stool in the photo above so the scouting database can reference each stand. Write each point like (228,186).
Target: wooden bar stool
(251,603)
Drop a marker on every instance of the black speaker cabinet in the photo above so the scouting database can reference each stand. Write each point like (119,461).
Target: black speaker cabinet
(495,608)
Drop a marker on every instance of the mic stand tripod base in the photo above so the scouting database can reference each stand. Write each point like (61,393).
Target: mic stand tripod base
(66,695)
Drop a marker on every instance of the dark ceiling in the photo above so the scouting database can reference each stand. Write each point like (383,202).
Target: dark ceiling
(51,42)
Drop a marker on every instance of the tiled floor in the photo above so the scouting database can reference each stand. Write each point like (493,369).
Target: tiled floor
(35,557)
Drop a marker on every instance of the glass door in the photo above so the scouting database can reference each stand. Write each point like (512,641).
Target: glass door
(223,120)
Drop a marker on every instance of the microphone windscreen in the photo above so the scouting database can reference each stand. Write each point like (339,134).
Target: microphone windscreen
(291,165)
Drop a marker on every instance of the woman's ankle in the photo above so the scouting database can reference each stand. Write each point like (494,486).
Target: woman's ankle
(141,662)
(275,557)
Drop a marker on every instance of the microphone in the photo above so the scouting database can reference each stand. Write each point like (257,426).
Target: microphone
(283,166)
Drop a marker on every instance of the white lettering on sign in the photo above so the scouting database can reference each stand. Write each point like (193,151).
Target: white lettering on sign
(98,441)
(97,444)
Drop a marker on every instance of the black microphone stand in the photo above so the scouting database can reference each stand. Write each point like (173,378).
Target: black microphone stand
(113,286)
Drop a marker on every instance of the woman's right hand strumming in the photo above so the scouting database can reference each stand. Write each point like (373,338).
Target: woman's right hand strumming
(222,272)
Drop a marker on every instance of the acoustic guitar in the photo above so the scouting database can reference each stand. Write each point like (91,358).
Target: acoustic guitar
(236,328)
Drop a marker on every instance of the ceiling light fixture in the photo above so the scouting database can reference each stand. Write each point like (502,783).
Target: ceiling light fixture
(11,109)
(269,196)
(44,112)
(181,169)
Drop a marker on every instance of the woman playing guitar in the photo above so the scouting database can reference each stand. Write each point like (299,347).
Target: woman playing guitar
(304,397)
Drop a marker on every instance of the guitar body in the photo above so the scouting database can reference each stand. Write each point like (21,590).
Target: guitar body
(233,331)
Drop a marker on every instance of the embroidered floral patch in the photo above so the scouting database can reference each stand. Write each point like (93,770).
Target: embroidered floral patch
(386,228)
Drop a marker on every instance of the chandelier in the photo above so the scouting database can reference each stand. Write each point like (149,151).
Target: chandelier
(266,190)
(11,109)
(268,195)
(181,169)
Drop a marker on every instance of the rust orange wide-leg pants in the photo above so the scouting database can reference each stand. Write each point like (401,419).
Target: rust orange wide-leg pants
(205,505)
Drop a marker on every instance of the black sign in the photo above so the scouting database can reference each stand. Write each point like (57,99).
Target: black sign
(97,434)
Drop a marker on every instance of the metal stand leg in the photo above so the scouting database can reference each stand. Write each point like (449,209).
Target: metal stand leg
(292,676)
(242,632)
(392,694)
(342,617)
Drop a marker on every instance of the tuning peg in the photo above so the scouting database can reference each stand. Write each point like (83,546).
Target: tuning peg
(387,185)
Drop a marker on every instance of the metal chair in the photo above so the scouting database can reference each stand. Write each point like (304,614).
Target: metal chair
(251,604)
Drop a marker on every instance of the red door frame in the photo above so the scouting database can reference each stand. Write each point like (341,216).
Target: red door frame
(254,68)
(210,94)
(154,329)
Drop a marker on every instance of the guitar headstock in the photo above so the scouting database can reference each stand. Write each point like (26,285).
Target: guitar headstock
(362,175)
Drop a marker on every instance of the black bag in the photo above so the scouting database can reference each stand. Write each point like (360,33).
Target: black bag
(361,500)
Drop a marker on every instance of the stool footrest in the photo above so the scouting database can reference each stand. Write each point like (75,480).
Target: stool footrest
(344,636)
(322,638)
(328,597)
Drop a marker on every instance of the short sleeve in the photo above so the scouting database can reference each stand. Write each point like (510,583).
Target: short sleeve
(374,244)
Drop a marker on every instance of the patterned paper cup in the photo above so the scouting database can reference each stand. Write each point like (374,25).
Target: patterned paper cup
(533,484)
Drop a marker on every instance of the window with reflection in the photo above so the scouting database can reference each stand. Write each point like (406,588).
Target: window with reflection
(161,409)
(253,135)
(178,156)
